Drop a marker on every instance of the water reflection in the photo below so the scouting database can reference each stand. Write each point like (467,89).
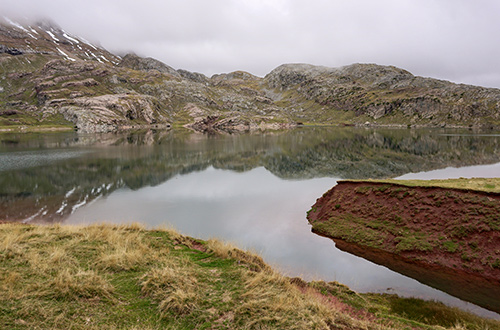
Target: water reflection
(37,171)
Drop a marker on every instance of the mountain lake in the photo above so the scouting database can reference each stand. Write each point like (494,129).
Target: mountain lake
(252,190)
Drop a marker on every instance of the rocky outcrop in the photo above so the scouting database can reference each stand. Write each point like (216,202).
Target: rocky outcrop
(11,50)
(194,76)
(216,124)
(106,112)
(135,62)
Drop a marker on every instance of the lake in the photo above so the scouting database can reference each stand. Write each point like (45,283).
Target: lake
(251,189)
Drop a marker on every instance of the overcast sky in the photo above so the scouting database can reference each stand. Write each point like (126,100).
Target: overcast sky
(456,40)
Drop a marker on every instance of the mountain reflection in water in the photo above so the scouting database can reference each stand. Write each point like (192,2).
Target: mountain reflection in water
(48,176)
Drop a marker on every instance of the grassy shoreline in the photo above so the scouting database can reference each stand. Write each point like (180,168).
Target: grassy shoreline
(476,184)
(126,277)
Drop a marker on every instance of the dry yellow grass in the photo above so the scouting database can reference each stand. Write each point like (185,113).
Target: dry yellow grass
(227,250)
(174,284)
(75,284)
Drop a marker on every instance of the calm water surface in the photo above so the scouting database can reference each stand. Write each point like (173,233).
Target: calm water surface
(252,190)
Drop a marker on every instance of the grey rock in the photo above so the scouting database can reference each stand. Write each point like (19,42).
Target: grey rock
(193,76)
(135,62)
(11,50)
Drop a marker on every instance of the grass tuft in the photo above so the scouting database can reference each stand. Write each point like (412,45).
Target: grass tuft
(71,285)
(229,251)
(173,287)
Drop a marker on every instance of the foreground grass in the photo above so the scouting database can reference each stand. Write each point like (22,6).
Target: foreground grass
(479,184)
(125,277)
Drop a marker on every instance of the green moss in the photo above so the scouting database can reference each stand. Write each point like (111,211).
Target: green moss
(450,246)
(413,243)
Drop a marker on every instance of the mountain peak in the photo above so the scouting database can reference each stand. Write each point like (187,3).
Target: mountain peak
(135,62)
(46,37)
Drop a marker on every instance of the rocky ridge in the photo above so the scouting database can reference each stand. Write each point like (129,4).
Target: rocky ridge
(49,77)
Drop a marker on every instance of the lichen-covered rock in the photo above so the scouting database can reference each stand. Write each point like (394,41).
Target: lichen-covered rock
(194,76)
(135,62)
(107,112)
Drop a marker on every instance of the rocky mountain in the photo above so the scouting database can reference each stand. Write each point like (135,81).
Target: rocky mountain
(49,77)
(385,95)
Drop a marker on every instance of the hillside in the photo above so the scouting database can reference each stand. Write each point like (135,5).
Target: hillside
(51,78)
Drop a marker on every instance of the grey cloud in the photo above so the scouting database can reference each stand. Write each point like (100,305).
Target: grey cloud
(447,39)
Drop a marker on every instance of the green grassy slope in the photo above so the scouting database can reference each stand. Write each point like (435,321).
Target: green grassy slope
(125,277)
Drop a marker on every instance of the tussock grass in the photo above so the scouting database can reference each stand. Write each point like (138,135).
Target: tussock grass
(126,277)
(173,287)
(271,296)
(69,285)
(226,250)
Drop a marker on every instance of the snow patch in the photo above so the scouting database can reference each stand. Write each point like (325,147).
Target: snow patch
(64,204)
(17,25)
(69,193)
(65,55)
(96,57)
(77,206)
(70,39)
(88,43)
(52,35)
(33,216)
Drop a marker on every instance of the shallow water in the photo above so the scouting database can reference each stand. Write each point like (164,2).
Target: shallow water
(252,190)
